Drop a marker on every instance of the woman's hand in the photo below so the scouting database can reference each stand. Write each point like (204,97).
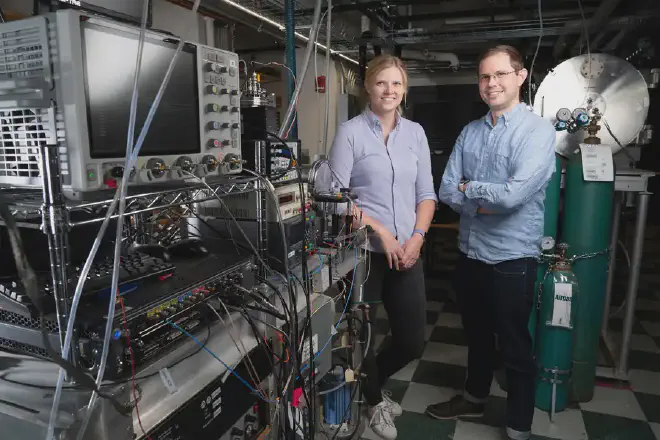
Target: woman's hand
(411,250)
(392,248)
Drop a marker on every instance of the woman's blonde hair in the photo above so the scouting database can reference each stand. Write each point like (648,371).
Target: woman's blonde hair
(380,63)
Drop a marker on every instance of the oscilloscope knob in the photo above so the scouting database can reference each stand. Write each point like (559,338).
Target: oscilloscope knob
(210,163)
(117,172)
(185,163)
(156,167)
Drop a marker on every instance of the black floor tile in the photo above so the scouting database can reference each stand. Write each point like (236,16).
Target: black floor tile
(414,426)
(432,317)
(643,360)
(648,315)
(451,307)
(398,388)
(440,375)
(448,335)
(608,427)
(650,404)
(616,325)
(438,294)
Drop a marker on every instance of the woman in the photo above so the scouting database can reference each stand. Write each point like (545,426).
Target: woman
(385,160)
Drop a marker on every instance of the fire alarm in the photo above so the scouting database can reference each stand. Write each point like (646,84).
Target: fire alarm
(320,84)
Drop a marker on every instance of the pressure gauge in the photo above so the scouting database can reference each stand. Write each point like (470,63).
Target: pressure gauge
(547,243)
(579,111)
(563,115)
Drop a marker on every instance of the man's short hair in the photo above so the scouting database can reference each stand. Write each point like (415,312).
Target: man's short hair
(515,56)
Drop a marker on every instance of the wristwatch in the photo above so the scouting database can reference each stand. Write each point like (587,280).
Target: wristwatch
(420,232)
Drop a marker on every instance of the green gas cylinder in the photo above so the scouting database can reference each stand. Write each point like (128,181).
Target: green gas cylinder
(551,219)
(557,317)
(586,228)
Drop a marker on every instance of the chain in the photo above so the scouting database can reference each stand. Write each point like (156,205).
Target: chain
(550,259)
(590,255)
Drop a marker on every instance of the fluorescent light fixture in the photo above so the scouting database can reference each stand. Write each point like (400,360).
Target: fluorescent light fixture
(282,28)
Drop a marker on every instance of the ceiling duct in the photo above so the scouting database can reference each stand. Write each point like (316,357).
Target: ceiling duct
(431,56)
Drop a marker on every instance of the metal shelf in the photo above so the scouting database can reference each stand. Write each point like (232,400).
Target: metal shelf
(27,204)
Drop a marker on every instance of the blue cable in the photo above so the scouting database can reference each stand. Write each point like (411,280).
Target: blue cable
(218,359)
(348,300)
(320,268)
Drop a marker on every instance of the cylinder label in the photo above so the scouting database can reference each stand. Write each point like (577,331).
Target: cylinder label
(561,309)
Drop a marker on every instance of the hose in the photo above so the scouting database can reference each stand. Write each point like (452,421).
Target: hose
(327,79)
(120,193)
(301,77)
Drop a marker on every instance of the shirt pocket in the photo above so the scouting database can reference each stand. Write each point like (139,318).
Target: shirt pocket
(501,166)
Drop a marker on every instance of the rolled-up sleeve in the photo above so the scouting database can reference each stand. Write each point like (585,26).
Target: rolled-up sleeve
(424,189)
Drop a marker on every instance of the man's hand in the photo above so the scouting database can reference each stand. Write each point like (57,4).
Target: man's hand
(411,250)
(392,248)
(462,187)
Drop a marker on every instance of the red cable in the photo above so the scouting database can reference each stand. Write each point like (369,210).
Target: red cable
(130,350)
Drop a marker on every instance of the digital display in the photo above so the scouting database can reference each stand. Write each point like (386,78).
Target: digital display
(287,198)
(109,60)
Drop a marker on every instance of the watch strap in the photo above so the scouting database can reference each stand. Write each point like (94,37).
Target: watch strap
(419,231)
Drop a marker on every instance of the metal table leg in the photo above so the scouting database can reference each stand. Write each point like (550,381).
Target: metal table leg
(633,281)
(616,223)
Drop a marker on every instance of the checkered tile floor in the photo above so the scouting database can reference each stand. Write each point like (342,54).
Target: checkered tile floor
(617,412)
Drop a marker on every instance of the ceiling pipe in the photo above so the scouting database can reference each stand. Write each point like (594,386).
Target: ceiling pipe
(430,56)
(448,19)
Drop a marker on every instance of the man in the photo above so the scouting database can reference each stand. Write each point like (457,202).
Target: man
(496,179)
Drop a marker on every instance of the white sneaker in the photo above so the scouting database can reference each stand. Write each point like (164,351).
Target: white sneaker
(381,422)
(390,405)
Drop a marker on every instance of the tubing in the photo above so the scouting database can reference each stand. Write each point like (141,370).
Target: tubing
(290,52)
(97,242)
(301,77)
(327,79)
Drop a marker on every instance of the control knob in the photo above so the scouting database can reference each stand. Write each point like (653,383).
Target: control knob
(212,108)
(185,163)
(117,172)
(214,125)
(210,163)
(156,167)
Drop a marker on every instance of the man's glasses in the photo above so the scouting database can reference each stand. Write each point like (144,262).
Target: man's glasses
(485,78)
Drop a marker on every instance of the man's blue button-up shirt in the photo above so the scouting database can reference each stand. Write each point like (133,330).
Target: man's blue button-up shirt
(509,165)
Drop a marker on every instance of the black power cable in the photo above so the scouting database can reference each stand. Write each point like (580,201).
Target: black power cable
(306,287)
(30,284)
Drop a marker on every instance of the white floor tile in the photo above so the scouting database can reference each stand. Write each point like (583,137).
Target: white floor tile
(434,306)
(656,430)
(615,402)
(567,425)
(474,431)
(446,353)
(418,396)
(407,372)
(645,381)
(452,320)
(368,434)
(653,328)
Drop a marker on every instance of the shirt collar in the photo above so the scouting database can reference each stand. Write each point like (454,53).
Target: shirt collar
(373,120)
(508,116)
